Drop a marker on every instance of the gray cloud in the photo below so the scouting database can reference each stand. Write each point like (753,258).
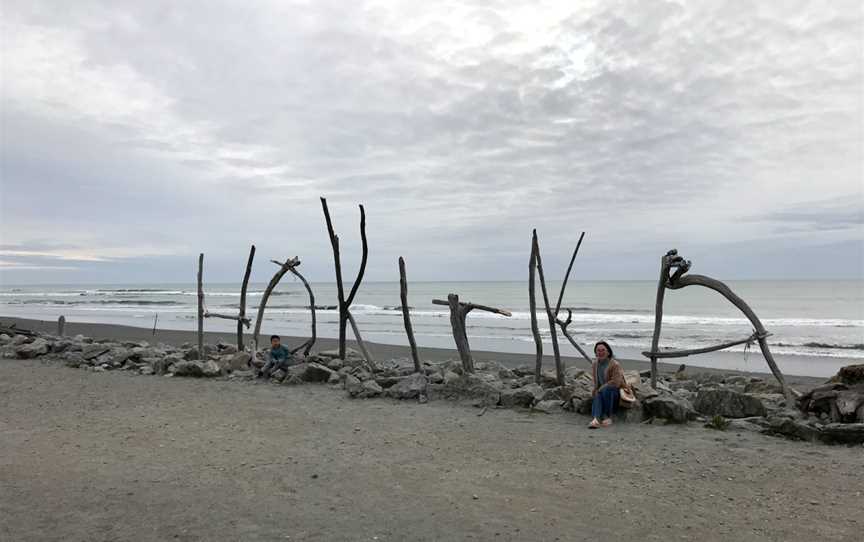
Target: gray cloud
(157,130)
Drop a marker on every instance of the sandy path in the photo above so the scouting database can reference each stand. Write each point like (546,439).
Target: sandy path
(111,456)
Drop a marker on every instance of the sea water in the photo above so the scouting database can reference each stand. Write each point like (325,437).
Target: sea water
(815,326)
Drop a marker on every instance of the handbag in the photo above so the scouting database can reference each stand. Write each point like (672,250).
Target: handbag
(626,398)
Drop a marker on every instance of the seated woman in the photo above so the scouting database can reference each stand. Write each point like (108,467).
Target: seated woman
(608,381)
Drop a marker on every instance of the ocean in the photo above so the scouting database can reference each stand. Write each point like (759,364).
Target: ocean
(816,326)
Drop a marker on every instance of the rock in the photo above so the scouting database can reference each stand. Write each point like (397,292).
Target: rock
(73,359)
(211,369)
(239,361)
(410,387)
(518,397)
(93,351)
(525,396)
(634,414)
(455,387)
(160,365)
(548,407)
(5,339)
(353,385)
(370,388)
(37,348)
(757,385)
(226,348)
(689,385)
(191,354)
(561,393)
(436,377)
(728,403)
(292,380)
(334,363)
(310,372)
(335,378)
(188,368)
(279,375)
(851,374)
(145,370)
(669,408)
(848,403)
(19,339)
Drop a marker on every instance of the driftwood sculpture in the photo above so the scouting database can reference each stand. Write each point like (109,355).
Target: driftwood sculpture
(241,317)
(564,323)
(201,305)
(676,280)
(345,303)
(409,329)
(532,308)
(538,261)
(458,312)
(290,266)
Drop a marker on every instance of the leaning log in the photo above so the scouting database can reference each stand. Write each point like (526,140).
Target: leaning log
(201,306)
(406,317)
(243,289)
(458,312)
(563,324)
(370,363)
(559,367)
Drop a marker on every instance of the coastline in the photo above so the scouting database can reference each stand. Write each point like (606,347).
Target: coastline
(378,350)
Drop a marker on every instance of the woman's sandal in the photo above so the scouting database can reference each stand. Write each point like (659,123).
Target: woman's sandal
(593,425)
(607,422)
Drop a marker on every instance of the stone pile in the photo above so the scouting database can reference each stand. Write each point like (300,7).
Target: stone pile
(833,413)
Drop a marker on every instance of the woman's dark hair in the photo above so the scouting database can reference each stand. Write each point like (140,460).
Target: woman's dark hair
(274,337)
(608,348)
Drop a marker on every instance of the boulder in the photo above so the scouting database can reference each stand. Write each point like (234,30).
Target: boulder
(211,369)
(226,348)
(669,408)
(353,385)
(688,385)
(188,368)
(238,361)
(334,378)
(548,407)
(5,339)
(160,365)
(728,403)
(483,392)
(19,339)
(410,387)
(93,351)
(37,348)
(73,359)
(191,354)
(851,374)
(370,388)
(310,372)
(525,396)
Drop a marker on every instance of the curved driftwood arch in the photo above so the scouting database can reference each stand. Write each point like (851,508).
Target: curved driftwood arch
(290,266)
(677,280)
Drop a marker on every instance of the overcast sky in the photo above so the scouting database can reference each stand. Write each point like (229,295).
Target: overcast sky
(137,134)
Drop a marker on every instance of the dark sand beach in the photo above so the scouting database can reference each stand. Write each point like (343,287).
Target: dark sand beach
(115,456)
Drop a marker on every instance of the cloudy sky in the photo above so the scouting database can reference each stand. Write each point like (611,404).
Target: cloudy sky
(137,134)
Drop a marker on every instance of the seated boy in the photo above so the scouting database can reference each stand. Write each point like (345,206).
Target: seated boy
(278,357)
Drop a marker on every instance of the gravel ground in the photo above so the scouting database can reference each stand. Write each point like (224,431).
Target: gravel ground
(112,456)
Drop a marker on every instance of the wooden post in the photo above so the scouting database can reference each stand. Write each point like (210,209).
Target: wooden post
(61,323)
(201,306)
(559,368)
(460,335)
(532,307)
(658,316)
(458,312)
(243,299)
(409,330)
(345,303)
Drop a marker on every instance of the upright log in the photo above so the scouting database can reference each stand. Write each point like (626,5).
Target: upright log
(458,312)
(406,317)
(559,367)
(243,299)
(532,307)
(658,316)
(61,324)
(201,306)
(345,303)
